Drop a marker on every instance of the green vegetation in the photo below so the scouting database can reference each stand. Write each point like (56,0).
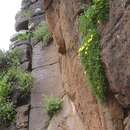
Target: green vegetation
(11,77)
(7,112)
(52,105)
(23,37)
(94,15)
(28,13)
(16,77)
(9,59)
(42,34)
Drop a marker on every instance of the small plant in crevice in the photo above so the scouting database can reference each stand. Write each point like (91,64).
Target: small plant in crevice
(41,33)
(52,105)
(23,37)
(27,13)
(94,15)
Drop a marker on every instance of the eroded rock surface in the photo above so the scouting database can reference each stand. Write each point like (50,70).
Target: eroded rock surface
(116,51)
(64,28)
(47,82)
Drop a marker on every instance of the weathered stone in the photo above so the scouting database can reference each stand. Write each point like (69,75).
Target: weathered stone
(127,123)
(64,28)
(38,11)
(37,19)
(46,77)
(116,54)
(54,25)
(22,21)
(26,66)
(25,4)
(34,6)
(22,117)
(38,119)
(49,53)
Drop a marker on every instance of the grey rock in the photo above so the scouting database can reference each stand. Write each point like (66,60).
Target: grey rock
(26,65)
(38,11)
(33,1)
(25,4)
(46,76)
(37,19)
(22,21)
(34,6)
(22,117)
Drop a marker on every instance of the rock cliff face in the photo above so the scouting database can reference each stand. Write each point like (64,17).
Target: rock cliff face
(61,17)
(57,71)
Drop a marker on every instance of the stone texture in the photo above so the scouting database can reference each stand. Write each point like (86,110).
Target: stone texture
(127,123)
(38,119)
(49,53)
(67,118)
(25,49)
(116,51)
(65,33)
(21,21)
(46,82)
(22,117)
(26,66)
(25,4)
(33,7)
(37,19)
(54,25)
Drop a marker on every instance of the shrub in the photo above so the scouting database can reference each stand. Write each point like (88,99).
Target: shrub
(96,14)
(42,34)
(11,77)
(9,58)
(16,77)
(52,105)
(23,37)
(5,88)
(7,112)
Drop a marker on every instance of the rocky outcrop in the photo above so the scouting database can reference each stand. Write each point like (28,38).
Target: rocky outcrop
(116,52)
(31,12)
(63,26)
(47,82)
(61,74)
